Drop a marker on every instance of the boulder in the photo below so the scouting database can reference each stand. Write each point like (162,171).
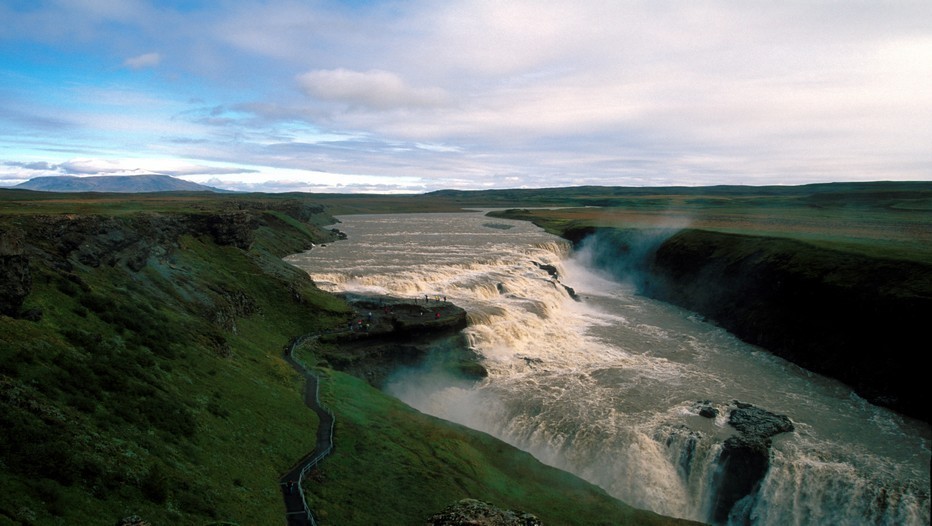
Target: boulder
(549,269)
(471,512)
(132,520)
(745,457)
(706,409)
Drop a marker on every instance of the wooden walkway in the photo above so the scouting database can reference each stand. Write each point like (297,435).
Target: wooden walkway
(297,512)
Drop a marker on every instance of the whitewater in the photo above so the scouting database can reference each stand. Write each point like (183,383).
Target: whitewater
(594,379)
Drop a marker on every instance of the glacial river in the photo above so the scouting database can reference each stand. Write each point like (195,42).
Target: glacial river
(606,387)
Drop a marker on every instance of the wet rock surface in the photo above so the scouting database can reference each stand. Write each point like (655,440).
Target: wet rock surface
(758,425)
(745,457)
(386,333)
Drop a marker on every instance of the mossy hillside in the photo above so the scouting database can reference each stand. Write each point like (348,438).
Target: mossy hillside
(159,392)
(394,465)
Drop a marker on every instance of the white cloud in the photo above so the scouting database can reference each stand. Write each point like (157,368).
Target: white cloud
(375,89)
(275,30)
(146,60)
(484,92)
(123,166)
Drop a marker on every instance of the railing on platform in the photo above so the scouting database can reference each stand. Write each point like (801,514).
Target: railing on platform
(326,451)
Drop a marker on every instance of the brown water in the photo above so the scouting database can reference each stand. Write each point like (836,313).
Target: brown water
(605,387)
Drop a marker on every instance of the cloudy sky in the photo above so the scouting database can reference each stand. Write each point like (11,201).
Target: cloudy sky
(414,96)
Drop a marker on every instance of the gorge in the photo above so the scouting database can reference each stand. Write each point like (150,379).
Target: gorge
(613,387)
(142,378)
(147,332)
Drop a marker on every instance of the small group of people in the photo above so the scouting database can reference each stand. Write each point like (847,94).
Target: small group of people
(438,298)
(359,325)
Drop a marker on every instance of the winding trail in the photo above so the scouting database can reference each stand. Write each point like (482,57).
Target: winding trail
(385,315)
(297,512)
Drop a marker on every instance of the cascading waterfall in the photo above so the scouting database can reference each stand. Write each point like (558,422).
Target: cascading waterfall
(606,387)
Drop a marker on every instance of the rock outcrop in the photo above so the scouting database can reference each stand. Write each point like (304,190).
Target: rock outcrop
(15,277)
(391,318)
(554,276)
(386,333)
(133,239)
(745,457)
(471,512)
(133,520)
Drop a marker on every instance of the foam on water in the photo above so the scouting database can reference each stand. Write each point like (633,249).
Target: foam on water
(606,387)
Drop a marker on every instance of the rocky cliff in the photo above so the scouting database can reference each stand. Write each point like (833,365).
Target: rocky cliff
(128,241)
(15,278)
(386,333)
(745,458)
(853,317)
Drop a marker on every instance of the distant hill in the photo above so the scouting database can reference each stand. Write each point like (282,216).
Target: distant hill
(115,184)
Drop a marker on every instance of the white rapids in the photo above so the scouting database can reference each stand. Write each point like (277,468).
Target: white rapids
(605,387)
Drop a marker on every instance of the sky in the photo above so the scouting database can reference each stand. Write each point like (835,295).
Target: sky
(414,96)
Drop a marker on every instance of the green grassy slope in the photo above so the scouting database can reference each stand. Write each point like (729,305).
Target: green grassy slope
(143,375)
(158,392)
(426,464)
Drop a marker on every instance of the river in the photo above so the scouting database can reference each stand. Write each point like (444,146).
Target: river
(605,385)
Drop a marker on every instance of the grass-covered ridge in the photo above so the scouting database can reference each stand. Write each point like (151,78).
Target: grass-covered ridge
(142,374)
(157,391)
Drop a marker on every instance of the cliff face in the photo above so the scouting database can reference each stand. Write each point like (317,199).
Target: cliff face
(64,241)
(852,317)
(15,278)
(387,333)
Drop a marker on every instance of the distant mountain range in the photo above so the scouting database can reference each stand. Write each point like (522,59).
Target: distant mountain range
(114,184)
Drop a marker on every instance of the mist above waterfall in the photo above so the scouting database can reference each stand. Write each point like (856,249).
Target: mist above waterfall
(622,254)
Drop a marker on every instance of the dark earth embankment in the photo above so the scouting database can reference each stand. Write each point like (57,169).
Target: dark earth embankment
(860,319)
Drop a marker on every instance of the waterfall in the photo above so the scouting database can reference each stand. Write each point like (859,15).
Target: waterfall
(607,387)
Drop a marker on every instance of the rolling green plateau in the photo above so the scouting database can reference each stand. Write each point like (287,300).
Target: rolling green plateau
(142,373)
